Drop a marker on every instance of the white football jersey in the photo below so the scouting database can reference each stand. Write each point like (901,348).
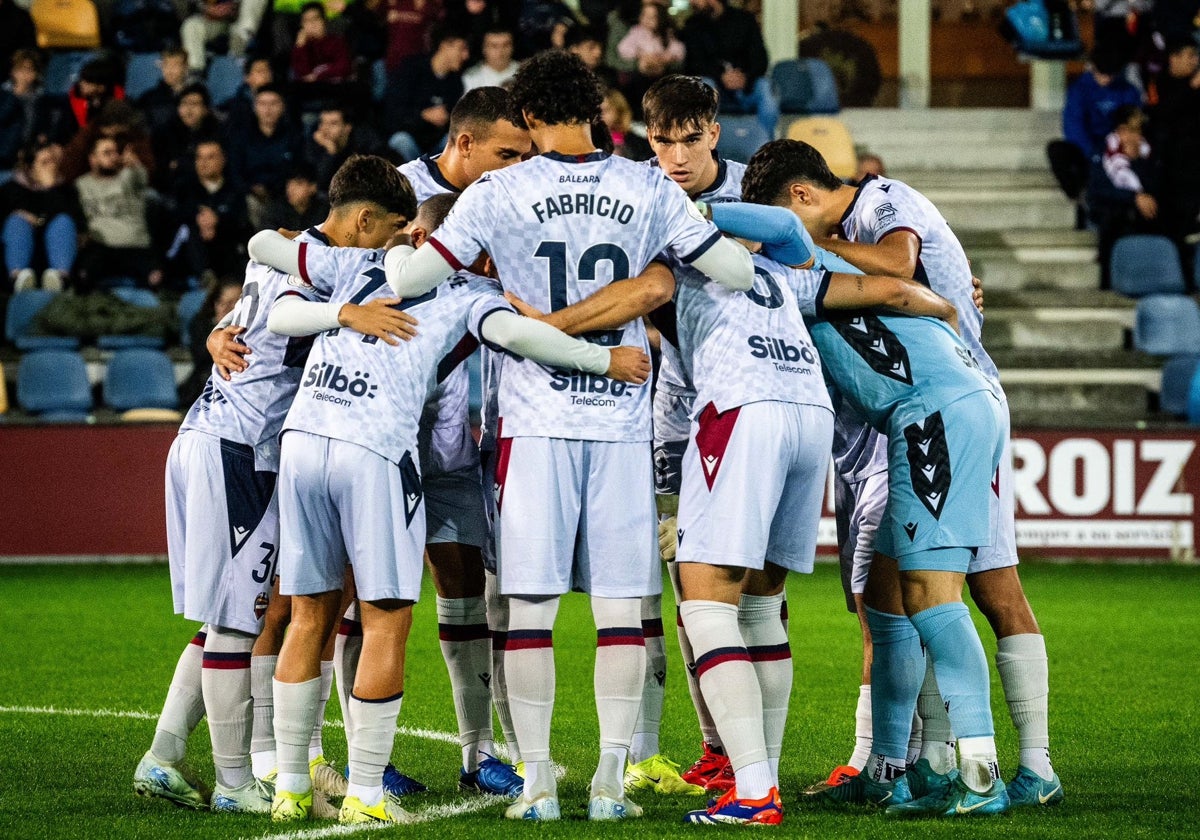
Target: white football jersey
(746,347)
(365,391)
(449,405)
(882,206)
(559,228)
(250,407)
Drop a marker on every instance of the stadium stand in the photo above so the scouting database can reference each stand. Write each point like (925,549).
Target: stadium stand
(223,77)
(740,137)
(141,74)
(1178,375)
(53,384)
(66,24)
(140,378)
(1166,325)
(1143,264)
(20,326)
(805,86)
(830,136)
(63,68)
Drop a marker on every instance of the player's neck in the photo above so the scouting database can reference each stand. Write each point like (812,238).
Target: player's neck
(450,165)
(565,138)
(840,201)
(706,181)
(340,232)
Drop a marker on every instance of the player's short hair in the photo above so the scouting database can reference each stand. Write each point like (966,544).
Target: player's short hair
(479,109)
(679,102)
(434,210)
(557,88)
(372,179)
(778,165)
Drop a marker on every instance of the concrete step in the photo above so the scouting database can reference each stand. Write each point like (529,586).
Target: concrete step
(1027,259)
(1115,401)
(1117,384)
(973,179)
(966,138)
(1000,208)
(1067,328)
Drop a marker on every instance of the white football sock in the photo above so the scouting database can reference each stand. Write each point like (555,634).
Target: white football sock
(262,738)
(315,747)
(225,681)
(980,766)
(466,645)
(645,731)
(184,706)
(881,768)
(347,648)
(295,713)
(497,613)
(708,728)
(529,667)
(767,642)
(370,745)
(730,687)
(619,675)
(915,737)
(937,736)
(862,729)
(1025,676)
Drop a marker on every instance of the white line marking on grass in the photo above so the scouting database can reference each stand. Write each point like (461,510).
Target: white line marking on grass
(422,815)
(55,710)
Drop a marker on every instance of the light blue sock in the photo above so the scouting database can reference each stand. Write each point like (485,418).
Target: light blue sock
(960,666)
(897,671)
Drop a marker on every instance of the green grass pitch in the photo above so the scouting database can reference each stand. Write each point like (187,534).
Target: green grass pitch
(1125,690)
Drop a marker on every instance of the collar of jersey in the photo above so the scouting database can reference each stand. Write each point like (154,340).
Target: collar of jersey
(435,173)
(592,157)
(854,201)
(722,171)
(318,235)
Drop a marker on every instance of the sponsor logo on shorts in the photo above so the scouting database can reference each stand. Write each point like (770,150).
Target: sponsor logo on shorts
(335,385)
(782,352)
(911,529)
(591,390)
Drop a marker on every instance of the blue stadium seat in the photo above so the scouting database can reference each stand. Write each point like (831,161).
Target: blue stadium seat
(740,137)
(1167,325)
(53,384)
(189,306)
(223,78)
(140,378)
(1193,404)
(141,73)
(1177,376)
(1146,265)
(138,297)
(62,70)
(805,86)
(23,308)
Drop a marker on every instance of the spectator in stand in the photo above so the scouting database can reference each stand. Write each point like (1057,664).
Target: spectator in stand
(16,28)
(263,152)
(335,139)
(474,19)
(1176,133)
(653,48)
(238,20)
(321,67)
(542,25)
(1092,100)
(27,113)
(219,302)
(41,204)
(175,144)
(408,28)
(1121,186)
(99,83)
(113,195)
(301,206)
(118,120)
(239,111)
(285,24)
(210,209)
(421,93)
(498,65)
(725,46)
(618,23)
(617,117)
(587,43)
(161,102)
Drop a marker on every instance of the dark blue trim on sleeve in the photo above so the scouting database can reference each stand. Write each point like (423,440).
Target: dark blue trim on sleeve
(703,247)
(491,345)
(821,291)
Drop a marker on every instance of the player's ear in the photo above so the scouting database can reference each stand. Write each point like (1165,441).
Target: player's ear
(418,235)
(464,142)
(801,193)
(714,134)
(364,219)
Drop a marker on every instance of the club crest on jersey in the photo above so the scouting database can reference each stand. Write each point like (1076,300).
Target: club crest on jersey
(885,212)
(332,381)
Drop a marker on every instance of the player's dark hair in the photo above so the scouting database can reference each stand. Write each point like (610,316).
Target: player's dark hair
(679,102)
(479,109)
(433,210)
(778,165)
(557,88)
(372,179)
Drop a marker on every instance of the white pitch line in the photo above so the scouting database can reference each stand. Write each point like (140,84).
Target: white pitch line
(423,815)
(54,710)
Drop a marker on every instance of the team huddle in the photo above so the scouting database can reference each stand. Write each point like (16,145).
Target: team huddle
(333,438)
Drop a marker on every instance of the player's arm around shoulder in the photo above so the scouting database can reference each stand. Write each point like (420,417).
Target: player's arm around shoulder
(611,307)
(907,297)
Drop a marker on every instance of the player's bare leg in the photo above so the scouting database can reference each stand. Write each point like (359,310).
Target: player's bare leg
(374,707)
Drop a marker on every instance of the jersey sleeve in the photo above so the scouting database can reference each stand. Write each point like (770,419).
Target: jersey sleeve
(469,226)
(485,300)
(688,234)
(320,267)
(884,213)
(810,287)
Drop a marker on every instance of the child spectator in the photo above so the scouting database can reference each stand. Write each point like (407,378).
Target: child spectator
(421,93)
(617,117)
(301,206)
(99,83)
(1120,190)
(160,102)
(113,194)
(27,113)
(43,205)
(497,66)
(320,59)
(219,302)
